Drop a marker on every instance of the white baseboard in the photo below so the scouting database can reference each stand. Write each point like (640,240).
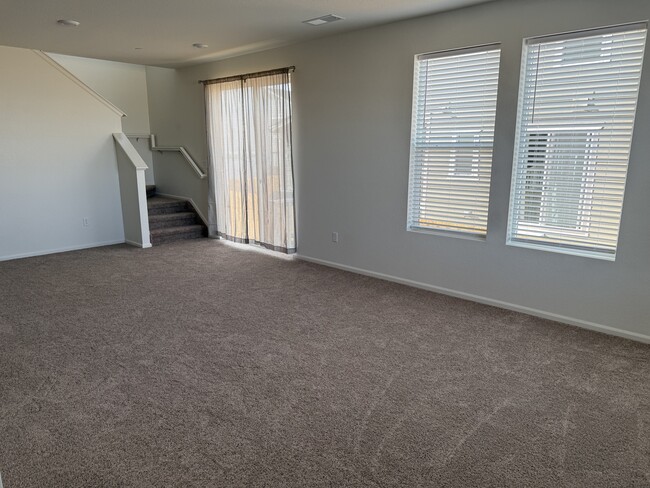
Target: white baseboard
(200,214)
(136,244)
(58,250)
(606,329)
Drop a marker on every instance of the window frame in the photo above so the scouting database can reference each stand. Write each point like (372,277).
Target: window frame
(461,153)
(518,179)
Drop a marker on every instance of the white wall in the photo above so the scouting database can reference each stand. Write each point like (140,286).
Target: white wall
(352,114)
(57,161)
(125,86)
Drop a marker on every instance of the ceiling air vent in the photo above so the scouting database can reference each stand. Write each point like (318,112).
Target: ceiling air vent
(325,19)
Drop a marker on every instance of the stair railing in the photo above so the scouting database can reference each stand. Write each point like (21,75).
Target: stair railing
(187,187)
(186,155)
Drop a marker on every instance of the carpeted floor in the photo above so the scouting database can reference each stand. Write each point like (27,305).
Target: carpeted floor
(194,364)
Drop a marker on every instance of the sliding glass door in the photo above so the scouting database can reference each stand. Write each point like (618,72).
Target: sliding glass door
(251,179)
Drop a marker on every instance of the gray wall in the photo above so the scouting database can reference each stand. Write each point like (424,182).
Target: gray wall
(57,161)
(123,84)
(352,114)
(176,123)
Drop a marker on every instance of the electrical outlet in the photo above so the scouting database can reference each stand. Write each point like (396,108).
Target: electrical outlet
(335,237)
(86,222)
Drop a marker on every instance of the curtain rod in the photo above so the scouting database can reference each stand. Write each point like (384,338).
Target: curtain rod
(288,69)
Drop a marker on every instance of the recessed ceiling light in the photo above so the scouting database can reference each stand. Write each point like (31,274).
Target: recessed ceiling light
(325,19)
(67,22)
(199,45)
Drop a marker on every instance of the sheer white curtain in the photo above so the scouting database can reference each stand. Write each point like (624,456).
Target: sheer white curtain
(251,175)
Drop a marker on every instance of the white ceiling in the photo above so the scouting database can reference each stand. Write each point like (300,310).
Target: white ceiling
(166,29)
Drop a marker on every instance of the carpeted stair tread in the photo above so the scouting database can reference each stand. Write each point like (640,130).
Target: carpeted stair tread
(158,201)
(183,229)
(167,206)
(172,219)
(171,216)
(175,219)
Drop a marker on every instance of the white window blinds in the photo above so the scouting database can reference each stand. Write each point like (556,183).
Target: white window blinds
(454,107)
(577,104)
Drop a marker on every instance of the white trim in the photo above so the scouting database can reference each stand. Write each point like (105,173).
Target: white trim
(61,249)
(130,151)
(612,29)
(138,136)
(196,208)
(458,50)
(143,209)
(79,83)
(447,233)
(605,329)
(562,250)
(136,244)
(197,169)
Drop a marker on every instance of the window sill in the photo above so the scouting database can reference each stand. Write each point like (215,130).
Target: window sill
(563,250)
(447,233)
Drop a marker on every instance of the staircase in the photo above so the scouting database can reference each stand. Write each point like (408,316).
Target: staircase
(171,219)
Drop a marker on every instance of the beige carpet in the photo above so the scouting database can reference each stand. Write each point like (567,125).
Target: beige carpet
(197,365)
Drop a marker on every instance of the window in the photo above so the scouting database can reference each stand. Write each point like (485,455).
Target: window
(577,105)
(454,106)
